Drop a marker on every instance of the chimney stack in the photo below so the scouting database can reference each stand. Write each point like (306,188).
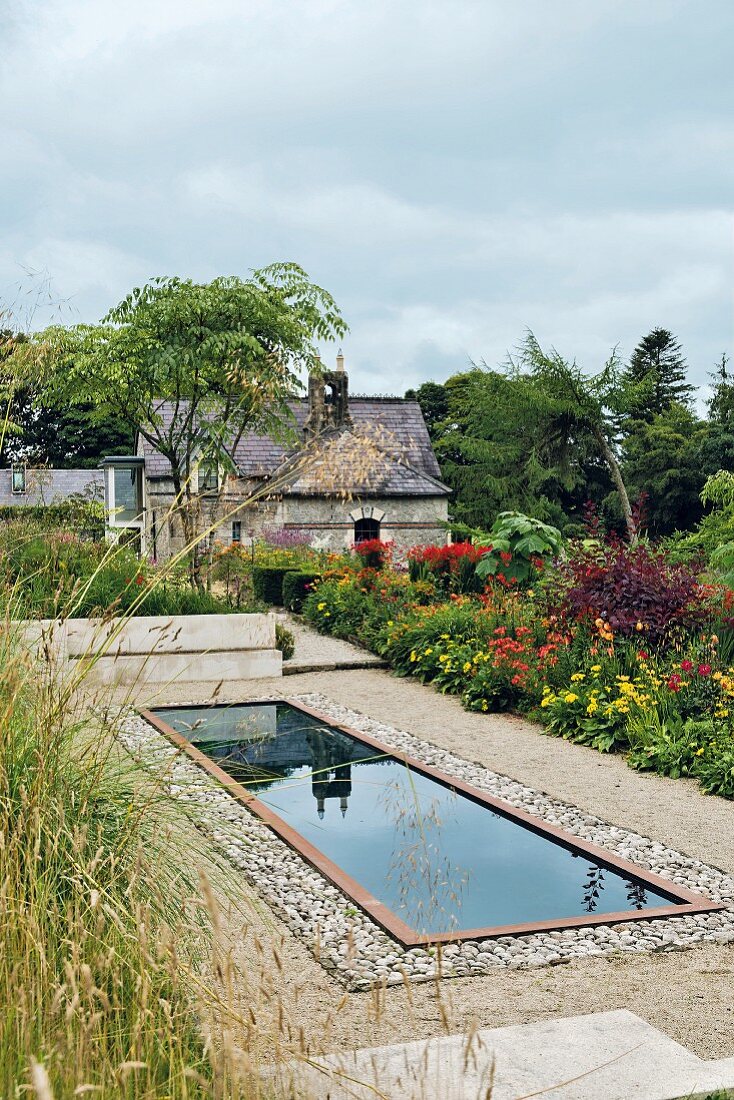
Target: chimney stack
(340,361)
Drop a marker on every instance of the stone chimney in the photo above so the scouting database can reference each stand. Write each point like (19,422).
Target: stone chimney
(328,400)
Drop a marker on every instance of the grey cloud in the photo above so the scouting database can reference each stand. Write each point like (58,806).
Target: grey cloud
(452,173)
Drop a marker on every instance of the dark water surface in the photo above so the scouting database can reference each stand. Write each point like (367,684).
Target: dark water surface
(438,860)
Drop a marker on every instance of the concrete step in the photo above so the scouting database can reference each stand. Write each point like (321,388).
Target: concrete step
(295,667)
(605,1056)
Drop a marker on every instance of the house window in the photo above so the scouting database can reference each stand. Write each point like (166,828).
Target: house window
(18,479)
(208,476)
(236,531)
(366,528)
(126,487)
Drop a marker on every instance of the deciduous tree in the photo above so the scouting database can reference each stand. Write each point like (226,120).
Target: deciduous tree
(226,354)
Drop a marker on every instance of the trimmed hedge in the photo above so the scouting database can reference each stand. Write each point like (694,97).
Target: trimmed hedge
(296,586)
(267,583)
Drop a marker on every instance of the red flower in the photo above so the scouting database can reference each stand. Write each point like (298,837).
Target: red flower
(687,666)
(642,656)
(674,683)
(704,670)
(139,579)
(506,556)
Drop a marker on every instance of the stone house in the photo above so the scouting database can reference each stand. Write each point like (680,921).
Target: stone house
(363,467)
(24,485)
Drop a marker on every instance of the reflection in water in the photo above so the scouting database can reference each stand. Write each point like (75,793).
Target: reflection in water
(439,859)
(636,895)
(428,884)
(593,887)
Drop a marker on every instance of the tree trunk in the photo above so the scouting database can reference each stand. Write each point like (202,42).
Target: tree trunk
(614,468)
(182,506)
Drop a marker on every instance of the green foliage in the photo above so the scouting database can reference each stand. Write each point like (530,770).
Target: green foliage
(284,641)
(433,400)
(267,583)
(226,352)
(670,705)
(661,459)
(296,587)
(543,437)
(76,513)
(655,377)
(520,547)
(715,535)
(45,574)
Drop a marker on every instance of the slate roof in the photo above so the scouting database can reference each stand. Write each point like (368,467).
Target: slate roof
(51,486)
(410,470)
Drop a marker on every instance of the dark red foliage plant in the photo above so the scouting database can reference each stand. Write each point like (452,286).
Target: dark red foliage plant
(635,590)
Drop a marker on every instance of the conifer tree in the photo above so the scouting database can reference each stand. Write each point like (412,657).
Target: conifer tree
(655,377)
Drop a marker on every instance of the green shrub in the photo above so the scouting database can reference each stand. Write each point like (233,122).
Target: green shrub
(296,587)
(520,547)
(75,514)
(284,641)
(267,583)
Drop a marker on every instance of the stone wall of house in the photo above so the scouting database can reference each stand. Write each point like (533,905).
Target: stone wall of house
(164,532)
(405,521)
(45,486)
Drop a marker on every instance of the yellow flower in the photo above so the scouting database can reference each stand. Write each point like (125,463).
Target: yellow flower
(547,700)
(444,657)
(592,707)
(569,697)
(546,690)
(467,666)
(414,656)
(485,704)
(640,626)
(699,752)
(596,668)
(428,652)
(320,606)
(577,677)
(390,622)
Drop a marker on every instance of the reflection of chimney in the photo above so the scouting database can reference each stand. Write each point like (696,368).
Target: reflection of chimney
(340,362)
(320,804)
(343,801)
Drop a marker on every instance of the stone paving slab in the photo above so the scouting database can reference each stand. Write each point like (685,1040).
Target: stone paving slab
(605,1056)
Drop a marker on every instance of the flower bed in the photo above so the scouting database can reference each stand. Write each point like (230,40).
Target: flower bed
(614,648)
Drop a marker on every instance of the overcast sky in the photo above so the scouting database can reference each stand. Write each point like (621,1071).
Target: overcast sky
(453,172)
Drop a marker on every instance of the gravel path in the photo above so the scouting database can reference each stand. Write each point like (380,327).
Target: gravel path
(318,652)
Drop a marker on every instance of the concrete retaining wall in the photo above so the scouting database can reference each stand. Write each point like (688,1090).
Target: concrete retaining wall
(158,649)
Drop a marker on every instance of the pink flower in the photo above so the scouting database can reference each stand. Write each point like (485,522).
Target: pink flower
(687,666)
(704,670)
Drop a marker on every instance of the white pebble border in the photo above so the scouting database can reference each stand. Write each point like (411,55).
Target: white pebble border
(356,950)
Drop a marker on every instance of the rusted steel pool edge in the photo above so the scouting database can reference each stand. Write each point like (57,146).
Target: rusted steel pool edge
(689,901)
